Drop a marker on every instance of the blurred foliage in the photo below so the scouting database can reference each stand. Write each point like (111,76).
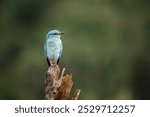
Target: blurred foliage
(106,47)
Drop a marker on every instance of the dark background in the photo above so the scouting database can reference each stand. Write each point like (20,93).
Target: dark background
(106,47)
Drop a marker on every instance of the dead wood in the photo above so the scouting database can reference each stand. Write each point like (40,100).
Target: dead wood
(58,86)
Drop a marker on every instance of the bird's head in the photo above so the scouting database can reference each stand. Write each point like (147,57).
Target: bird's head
(54,33)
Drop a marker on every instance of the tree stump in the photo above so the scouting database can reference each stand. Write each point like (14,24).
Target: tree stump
(58,86)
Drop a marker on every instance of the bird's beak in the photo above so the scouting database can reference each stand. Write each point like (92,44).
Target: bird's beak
(62,33)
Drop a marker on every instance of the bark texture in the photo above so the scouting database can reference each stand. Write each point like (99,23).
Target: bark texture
(58,86)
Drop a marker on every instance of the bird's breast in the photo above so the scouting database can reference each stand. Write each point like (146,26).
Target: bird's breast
(52,46)
(53,49)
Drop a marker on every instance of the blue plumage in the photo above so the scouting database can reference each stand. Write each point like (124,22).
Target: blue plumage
(53,47)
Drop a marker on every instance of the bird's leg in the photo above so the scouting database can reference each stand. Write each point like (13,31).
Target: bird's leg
(53,63)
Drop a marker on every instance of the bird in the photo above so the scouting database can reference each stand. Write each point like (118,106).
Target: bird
(53,47)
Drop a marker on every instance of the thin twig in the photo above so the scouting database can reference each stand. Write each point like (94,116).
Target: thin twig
(76,94)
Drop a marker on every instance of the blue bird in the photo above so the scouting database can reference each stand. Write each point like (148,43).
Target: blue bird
(53,47)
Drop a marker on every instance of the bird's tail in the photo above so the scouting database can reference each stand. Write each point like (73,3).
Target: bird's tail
(48,62)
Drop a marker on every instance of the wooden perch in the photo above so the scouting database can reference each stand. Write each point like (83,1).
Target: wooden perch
(58,86)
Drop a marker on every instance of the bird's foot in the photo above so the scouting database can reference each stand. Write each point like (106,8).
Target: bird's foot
(53,63)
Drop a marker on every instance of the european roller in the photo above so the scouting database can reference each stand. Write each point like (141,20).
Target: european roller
(53,47)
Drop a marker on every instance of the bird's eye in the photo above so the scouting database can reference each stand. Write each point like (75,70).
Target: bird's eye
(55,33)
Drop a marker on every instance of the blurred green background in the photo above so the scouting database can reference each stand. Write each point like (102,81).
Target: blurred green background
(106,47)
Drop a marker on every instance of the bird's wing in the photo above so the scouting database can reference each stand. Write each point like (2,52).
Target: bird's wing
(45,52)
(45,49)
(61,49)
